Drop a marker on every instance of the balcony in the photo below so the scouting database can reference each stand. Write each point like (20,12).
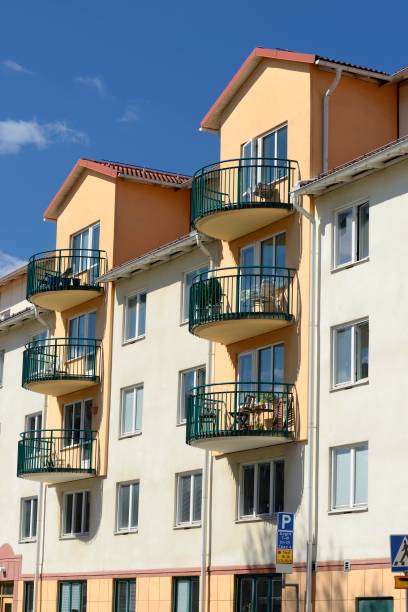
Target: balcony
(58,366)
(57,455)
(230,304)
(230,417)
(238,196)
(58,280)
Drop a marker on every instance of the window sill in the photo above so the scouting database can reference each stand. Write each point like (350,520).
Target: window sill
(351,264)
(183,322)
(181,423)
(257,519)
(27,540)
(76,536)
(350,385)
(125,532)
(133,340)
(348,510)
(187,526)
(130,435)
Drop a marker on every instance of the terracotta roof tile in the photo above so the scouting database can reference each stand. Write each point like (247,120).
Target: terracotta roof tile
(147,174)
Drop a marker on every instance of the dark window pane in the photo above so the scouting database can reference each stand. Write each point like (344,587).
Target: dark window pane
(28,596)
(68,513)
(276,594)
(132,596)
(34,518)
(344,237)
(197,497)
(78,512)
(184,499)
(278,486)
(362,351)
(87,511)
(124,500)
(195,594)
(264,488)
(135,505)
(363,225)
(245,600)
(261,594)
(248,479)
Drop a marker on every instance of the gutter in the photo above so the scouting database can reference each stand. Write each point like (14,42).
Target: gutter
(311,426)
(207,468)
(326,101)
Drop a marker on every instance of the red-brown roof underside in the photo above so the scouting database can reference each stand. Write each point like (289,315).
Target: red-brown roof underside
(113,170)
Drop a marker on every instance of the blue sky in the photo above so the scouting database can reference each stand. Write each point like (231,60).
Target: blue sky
(130,81)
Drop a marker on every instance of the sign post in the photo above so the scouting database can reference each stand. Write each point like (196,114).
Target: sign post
(284,543)
(399,562)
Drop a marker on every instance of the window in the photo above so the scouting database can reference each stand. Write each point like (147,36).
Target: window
(188,281)
(188,511)
(261,489)
(2,353)
(375,604)
(135,317)
(28,523)
(262,593)
(349,487)
(86,253)
(272,146)
(28,602)
(351,234)
(82,335)
(131,412)
(125,595)
(72,597)
(186,591)
(188,380)
(77,419)
(350,344)
(263,366)
(33,424)
(127,506)
(76,513)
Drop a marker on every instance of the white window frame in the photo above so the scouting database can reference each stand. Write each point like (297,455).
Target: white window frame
(184,316)
(240,501)
(258,250)
(257,151)
(354,206)
(73,353)
(134,432)
(136,294)
(31,537)
(181,404)
(129,528)
(34,415)
(191,522)
(82,402)
(255,361)
(75,534)
(354,380)
(352,506)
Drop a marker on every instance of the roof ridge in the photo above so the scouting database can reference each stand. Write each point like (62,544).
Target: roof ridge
(111,162)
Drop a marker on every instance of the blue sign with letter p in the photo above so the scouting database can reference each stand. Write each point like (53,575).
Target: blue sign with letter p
(285,521)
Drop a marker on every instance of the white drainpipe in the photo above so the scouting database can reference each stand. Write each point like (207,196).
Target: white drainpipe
(207,483)
(326,101)
(311,426)
(41,500)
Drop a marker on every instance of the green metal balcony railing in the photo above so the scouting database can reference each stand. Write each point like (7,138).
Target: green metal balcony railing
(62,359)
(57,450)
(243,183)
(241,409)
(65,269)
(241,293)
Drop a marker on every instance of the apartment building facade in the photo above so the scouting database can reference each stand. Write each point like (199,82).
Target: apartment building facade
(176,364)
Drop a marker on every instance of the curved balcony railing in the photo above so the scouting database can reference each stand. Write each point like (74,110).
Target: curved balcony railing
(59,359)
(243,183)
(241,292)
(241,409)
(65,270)
(64,451)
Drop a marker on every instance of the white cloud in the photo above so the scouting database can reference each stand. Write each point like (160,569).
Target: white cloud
(94,82)
(14,135)
(8,263)
(15,67)
(130,114)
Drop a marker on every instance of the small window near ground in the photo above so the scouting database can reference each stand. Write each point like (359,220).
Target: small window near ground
(125,595)
(188,281)
(135,317)
(72,596)
(28,601)
(131,410)
(261,489)
(189,492)
(349,488)
(186,594)
(76,513)
(188,380)
(28,529)
(375,604)
(259,593)
(350,343)
(351,234)
(127,507)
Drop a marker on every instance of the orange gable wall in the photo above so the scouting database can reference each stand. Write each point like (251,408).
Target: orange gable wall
(147,217)
(363,116)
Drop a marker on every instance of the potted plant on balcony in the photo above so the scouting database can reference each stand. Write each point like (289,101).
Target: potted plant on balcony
(210,297)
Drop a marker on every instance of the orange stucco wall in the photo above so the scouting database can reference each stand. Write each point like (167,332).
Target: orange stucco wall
(363,116)
(148,216)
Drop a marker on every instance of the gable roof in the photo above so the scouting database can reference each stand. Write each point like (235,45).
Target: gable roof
(211,121)
(114,170)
